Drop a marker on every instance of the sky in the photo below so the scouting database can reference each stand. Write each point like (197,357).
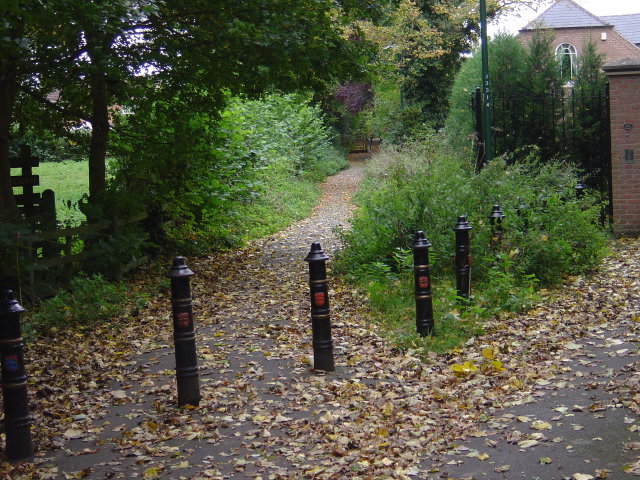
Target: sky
(513,23)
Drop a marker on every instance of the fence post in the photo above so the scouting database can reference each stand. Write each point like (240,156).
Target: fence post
(422,283)
(463,257)
(48,205)
(183,334)
(17,422)
(480,142)
(320,313)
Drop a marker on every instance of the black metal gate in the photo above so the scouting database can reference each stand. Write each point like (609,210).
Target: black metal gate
(571,124)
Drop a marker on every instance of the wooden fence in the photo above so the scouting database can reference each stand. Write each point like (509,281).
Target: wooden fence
(47,247)
(53,249)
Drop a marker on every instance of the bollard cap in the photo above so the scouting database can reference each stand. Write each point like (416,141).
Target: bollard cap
(8,303)
(421,241)
(179,269)
(462,224)
(580,186)
(496,214)
(316,254)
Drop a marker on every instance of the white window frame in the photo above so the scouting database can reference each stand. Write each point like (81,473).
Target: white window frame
(567,49)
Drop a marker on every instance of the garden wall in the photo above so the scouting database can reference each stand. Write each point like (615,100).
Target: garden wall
(624,93)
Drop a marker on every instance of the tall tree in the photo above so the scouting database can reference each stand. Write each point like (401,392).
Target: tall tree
(97,54)
(19,21)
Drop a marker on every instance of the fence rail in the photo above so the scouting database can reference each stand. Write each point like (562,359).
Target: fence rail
(45,250)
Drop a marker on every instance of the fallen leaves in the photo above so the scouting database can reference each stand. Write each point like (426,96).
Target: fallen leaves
(383,414)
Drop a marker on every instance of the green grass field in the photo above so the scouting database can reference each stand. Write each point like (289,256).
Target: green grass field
(69,181)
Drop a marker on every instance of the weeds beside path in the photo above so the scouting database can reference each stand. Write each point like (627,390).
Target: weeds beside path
(104,402)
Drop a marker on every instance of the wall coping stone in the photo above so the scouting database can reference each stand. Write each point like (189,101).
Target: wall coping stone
(624,66)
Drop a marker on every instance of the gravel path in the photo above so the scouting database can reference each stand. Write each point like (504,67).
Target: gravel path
(333,210)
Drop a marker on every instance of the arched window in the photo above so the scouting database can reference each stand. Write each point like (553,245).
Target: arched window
(568,60)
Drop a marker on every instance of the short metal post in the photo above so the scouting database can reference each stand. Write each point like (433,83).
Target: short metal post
(422,282)
(184,334)
(495,220)
(463,257)
(580,188)
(320,314)
(521,212)
(17,422)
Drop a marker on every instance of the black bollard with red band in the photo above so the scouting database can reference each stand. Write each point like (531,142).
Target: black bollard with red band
(463,257)
(17,422)
(422,283)
(320,315)
(184,334)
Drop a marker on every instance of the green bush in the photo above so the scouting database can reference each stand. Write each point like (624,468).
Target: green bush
(425,187)
(90,300)
(213,177)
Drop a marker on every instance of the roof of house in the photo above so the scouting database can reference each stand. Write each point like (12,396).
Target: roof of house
(568,14)
(563,14)
(627,25)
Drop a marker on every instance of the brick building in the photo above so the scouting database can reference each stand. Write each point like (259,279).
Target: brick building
(618,38)
(615,36)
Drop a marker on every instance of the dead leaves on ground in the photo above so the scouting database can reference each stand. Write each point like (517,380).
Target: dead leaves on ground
(382,414)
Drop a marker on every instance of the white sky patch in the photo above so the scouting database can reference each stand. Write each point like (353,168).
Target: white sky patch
(514,22)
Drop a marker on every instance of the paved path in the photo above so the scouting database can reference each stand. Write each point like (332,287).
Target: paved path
(104,401)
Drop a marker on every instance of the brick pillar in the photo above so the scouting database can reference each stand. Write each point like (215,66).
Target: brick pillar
(624,94)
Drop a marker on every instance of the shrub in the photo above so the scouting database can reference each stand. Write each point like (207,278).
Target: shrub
(209,176)
(89,300)
(425,187)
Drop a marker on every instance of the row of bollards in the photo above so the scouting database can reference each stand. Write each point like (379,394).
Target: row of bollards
(320,316)
(13,379)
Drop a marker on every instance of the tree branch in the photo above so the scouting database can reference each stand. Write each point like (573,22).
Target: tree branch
(48,103)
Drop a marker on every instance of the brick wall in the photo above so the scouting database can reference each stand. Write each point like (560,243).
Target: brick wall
(615,47)
(624,93)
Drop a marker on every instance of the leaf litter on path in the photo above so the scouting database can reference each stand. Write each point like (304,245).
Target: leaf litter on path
(106,398)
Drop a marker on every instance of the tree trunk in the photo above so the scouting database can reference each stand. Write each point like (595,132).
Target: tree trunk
(7,96)
(99,134)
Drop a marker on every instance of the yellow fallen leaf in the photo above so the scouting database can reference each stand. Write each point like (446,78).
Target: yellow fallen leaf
(488,353)
(151,473)
(72,433)
(540,425)
(528,443)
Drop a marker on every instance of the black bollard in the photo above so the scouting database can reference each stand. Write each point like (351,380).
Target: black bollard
(463,257)
(580,188)
(320,314)
(17,422)
(184,334)
(521,212)
(422,282)
(495,220)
